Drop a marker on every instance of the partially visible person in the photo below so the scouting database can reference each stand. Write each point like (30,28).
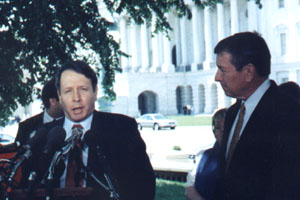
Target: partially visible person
(290,89)
(52,110)
(260,149)
(201,181)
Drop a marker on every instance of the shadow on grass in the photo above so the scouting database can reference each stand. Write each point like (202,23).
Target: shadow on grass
(169,190)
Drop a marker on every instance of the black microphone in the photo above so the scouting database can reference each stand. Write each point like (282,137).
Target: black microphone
(10,147)
(90,139)
(33,144)
(25,152)
(67,147)
(55,140)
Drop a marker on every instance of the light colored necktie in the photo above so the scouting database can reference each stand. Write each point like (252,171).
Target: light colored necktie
(236,135)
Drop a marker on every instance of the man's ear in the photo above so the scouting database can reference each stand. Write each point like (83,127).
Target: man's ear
(96,93)
(52,101)
(249,71)
(59,97)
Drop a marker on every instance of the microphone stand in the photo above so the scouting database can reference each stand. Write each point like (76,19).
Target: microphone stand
(30,187)
(16,165)
(110,188)
(56,158)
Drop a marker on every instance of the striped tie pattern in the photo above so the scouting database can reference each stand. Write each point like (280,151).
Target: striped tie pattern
(236,135)
(74,162)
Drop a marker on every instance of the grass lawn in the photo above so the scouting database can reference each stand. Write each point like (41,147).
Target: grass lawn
(169,190)
(191,120)
(174,190)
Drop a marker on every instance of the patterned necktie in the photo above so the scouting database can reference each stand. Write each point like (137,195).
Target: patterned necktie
(236,135)
(73,177)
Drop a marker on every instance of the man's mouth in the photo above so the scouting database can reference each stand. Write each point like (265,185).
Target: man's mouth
(77,110)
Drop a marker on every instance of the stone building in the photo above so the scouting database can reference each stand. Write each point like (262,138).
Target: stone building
(164,75)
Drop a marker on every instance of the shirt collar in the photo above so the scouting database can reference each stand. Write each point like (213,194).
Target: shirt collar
(86,124)
(47,117)
(253,100)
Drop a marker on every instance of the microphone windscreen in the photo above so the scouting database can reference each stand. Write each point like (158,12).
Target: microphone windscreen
(90,138)
(39,139)
(55,139)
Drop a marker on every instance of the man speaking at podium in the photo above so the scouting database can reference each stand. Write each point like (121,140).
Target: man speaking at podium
(115,137)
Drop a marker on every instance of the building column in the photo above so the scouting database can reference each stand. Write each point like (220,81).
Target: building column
(196,38)
(167,65)
(208,98)
(145,48)
(177,41)
(195,99)
(184,58)
(134,52)
(124,43)
(154,41)
(252,16)
(221,26)
(208,39)
(234,16)
(221,97)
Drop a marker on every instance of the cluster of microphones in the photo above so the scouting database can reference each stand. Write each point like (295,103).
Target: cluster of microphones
(47,149)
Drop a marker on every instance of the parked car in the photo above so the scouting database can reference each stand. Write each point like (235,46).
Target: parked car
(9,131)
(6,139)
(155,121)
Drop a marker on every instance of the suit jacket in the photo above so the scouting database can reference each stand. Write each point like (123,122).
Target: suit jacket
(26,127)
(125,152)
(265,163)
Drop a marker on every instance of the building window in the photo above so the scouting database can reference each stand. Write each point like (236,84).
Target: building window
(281,3)
(282,77)
(283,43)
(298,77)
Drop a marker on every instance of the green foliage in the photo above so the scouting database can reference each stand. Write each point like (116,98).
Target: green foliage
(169,190)
(38,36)
(177,148)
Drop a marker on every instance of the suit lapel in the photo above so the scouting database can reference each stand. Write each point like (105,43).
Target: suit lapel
(230,116)
(260,115)
(255,122)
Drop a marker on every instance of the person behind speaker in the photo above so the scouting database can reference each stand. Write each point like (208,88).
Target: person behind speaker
(201,180)
(291,90)
(52,110)
(265,161)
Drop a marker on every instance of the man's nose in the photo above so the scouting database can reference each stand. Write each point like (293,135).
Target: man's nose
(218,76)
(76,96)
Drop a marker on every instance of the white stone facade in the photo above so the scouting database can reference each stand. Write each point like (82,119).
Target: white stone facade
(164,75)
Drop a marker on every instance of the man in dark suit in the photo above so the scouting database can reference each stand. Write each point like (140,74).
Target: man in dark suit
(259,160)
(116,137)
(53,110)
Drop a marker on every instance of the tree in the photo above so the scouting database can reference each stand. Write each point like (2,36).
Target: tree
(37,37)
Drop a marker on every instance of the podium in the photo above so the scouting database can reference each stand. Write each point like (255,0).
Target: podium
(74,193)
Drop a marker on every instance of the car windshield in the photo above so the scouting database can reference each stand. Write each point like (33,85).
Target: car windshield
(159,117)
